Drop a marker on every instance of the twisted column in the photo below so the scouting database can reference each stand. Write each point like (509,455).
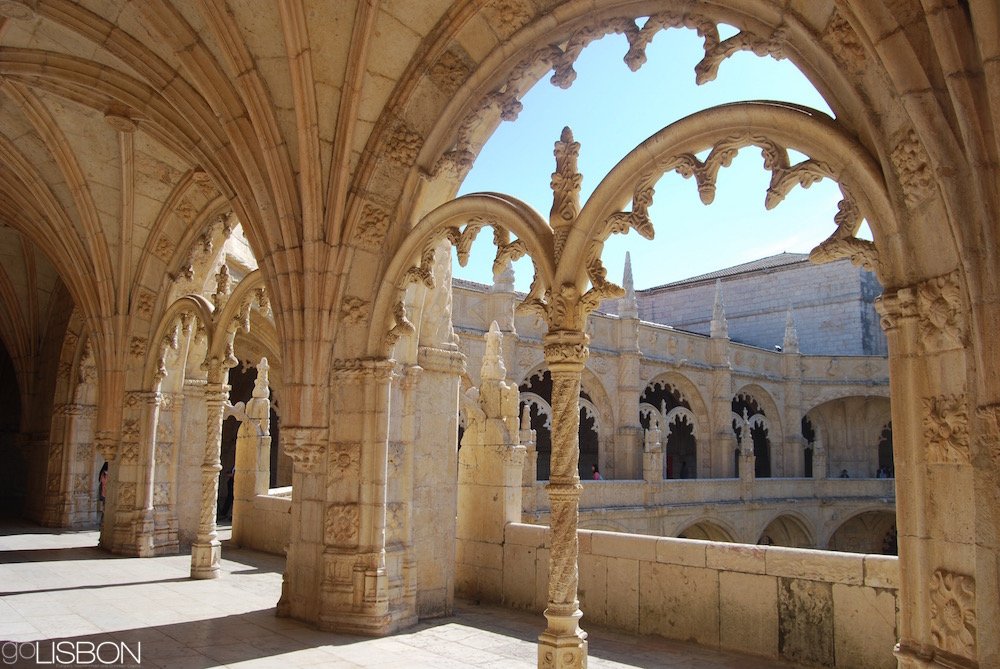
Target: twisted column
(563,644)
(206,551)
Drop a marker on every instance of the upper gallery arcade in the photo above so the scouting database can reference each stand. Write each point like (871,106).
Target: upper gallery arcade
(312,151)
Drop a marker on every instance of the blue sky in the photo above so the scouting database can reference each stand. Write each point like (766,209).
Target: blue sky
(610,110)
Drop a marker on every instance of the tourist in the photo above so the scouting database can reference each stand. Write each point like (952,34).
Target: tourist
(596,473)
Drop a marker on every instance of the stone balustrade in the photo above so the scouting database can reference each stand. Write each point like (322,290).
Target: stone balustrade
(798,605)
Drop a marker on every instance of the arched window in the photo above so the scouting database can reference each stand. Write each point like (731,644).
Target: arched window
(747,412)
(536,394)
(677,423)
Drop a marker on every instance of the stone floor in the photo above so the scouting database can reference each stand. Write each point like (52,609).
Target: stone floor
(56,585)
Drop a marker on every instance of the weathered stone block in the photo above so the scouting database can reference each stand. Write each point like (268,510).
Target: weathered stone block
(744,598)
(687,552)
(736,557)
(882,571)
(845,568)
(805,621)
(623,600)
(679,602)
(864,618)
(593,588)
(632,546)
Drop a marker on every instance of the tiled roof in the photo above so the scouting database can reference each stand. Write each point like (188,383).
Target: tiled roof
(770,262)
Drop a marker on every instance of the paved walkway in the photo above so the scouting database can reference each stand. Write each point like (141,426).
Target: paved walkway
(56,585)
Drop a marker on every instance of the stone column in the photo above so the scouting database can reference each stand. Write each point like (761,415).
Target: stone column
(948,568)
(253,455)
(563,643)
(721,402)
(490,470)
(206,551)
(652,457)
(820,465)
(149,410)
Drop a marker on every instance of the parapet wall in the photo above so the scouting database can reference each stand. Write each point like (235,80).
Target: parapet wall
(805,606)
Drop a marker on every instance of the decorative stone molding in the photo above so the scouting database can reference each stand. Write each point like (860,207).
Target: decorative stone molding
(450,71)
(895,307)
(345,459)
(144,301)
(402,325)
(306,446)
(126,496)
(356,369)
(84,452)
(107,443)
(81,483)
(946,429)
(130,429)
(509,16)
(164,452)
(373,227)
(953,613)
(844,43)
(562,347)
(164,248)
(129,452)
(354,310)
(137,347)
(403,145)
(942,320)
(912,166)
(342,525)
(161,494)
(52,483)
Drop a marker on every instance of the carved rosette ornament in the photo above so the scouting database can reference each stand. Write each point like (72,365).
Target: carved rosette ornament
(344,460)
(946,429)
(342,525)
(306,447)
(942,320)
(953,613)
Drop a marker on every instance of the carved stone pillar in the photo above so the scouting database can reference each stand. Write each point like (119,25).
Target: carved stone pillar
(563,643)
(253,454)
(947,567)
(490,466)
(206,551)
(652,456)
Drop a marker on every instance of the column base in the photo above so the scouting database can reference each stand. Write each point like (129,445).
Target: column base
(206,559)
(563,645)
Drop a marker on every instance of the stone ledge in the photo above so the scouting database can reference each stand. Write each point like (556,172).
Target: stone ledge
(813,565)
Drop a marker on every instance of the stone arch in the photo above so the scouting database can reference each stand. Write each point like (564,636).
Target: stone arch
(865,531)
(696,460)
(788,529)
(849,428)
(708,529)
(765,427)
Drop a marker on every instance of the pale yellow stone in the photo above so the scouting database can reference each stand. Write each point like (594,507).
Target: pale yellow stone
(847,568)
(736,557)
(748,613)
(679,602)
(864,625)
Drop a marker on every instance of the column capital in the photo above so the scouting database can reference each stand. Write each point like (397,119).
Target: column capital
(306,446)
(566,350)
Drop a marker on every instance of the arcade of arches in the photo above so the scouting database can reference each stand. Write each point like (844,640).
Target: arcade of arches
(188,185)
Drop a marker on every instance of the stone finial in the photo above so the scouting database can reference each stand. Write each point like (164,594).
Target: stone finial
(493,368)
(791,343)
(720,327)
(526,418)
(260,384)
(627,306)
(503,281)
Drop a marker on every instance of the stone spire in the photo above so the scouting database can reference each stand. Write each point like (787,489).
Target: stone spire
(791,343)
(503,281)
(720,327)
(627,305)
(493,368)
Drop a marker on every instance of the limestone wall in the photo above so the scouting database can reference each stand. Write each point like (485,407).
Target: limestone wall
(805,606)
(270,525)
